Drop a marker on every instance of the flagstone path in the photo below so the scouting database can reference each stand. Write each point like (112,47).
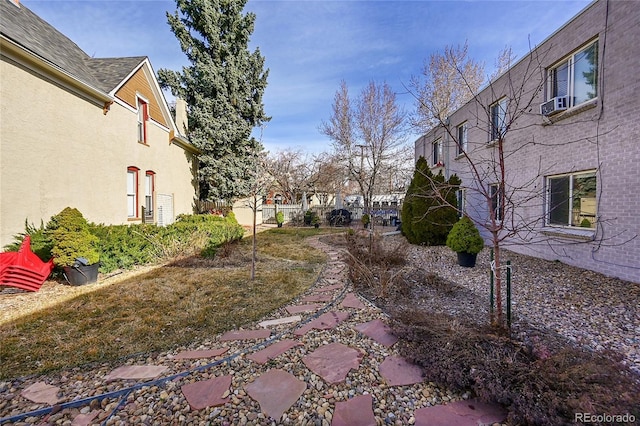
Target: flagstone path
(327,360)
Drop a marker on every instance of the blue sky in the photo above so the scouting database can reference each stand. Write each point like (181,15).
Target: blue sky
(310,46)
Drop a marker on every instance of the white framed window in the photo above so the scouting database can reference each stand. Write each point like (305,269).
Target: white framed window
(436,149)
(132,192)
(498,112)
(143,117)
(462,138)
(571,199)
(575,77)
(496,201)
(461,196)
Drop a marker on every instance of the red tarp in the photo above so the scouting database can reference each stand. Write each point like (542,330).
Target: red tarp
(24,269)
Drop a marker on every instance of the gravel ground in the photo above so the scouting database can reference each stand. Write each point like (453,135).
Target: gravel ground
(561,301)
(585,307)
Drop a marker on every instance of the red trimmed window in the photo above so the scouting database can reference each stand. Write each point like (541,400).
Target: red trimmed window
(149,189)
(143,117)
(132,192)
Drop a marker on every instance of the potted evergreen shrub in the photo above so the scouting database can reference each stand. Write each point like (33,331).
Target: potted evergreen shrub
(74,248)
(464,238)
(315,220)
(279,219)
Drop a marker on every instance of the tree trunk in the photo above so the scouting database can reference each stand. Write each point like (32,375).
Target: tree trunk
(498,275)
(254,248)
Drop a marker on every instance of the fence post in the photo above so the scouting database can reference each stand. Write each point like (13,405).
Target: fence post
(509,294)
(491,273)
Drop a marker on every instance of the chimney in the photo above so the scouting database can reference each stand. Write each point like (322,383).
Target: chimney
(181,117)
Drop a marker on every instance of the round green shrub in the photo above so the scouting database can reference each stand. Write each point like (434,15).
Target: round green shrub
(366,219)
(70,237)
(280,217)
(465,237)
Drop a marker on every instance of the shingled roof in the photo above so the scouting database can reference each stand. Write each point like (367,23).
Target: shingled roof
(26,29)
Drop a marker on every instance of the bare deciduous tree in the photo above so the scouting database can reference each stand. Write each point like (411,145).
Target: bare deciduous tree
(503,62)
(260,181)
(448,80)
(368,134)
(290,171)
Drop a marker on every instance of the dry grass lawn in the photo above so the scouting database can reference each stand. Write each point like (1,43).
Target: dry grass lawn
(155,308)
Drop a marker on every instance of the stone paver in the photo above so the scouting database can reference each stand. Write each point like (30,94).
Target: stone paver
(320,297)
(136,372)
(460,413)
(357,411)
(85,419)
(298,309)
(396,371)
(272,351)
(378,331)
(325,321)
(42,393)
(280,321)
(276,391)
(328,288)
(333,362)
(351,301)
(245,335)
(207,393)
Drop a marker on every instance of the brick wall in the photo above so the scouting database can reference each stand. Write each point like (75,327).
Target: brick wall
(602,134)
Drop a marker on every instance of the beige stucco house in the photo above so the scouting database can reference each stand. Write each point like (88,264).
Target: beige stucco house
(91,133)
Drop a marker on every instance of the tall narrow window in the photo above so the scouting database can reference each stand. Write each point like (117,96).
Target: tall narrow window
(460,197)
(132,192)
(498,119)
(149,184)
(576,77)
(496,201)
(143,117)
(571,200)
(437,152)
(462,139)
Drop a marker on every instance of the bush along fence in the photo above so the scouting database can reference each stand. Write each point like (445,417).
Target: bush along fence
(294,213)
(125,246)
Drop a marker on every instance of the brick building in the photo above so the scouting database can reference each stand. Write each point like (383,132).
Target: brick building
(565,121)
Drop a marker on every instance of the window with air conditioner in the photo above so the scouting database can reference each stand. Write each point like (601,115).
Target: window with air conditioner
(574,80)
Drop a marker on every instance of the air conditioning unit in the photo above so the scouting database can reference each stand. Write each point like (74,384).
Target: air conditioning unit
(554,105)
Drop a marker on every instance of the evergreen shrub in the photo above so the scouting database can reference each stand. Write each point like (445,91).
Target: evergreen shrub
(426,219)
(465,237)
(70,237)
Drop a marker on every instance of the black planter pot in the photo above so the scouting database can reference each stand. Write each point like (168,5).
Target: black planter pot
(467,260)
(81,275)
(279,225)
